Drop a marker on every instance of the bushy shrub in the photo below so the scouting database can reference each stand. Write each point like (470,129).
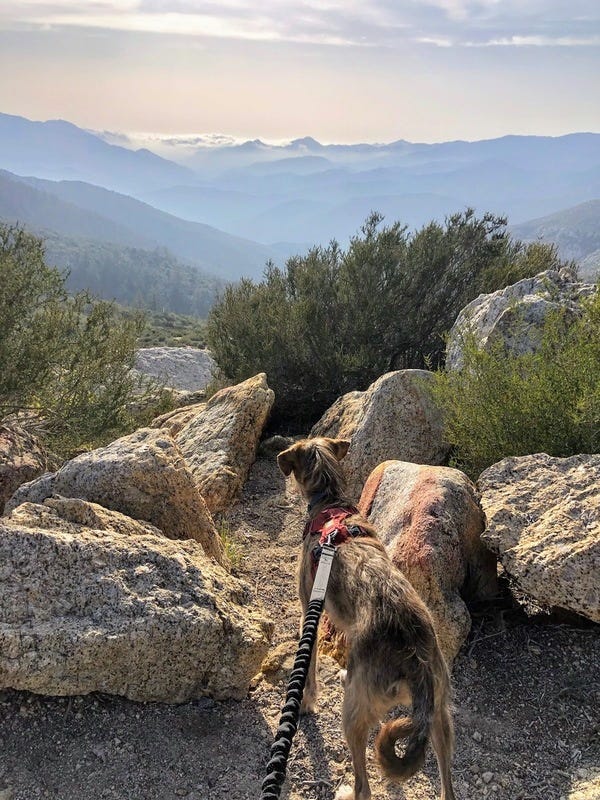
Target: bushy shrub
(503,404)
(64,361)
(333,320)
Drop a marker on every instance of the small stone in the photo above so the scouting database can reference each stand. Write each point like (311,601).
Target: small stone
(477,736)
(99,752)
(474,768)
(488,777)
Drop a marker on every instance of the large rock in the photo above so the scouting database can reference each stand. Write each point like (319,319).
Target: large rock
(22,458)
(120,609)
(187,368)
(515,315)
(173,421)
(431,522)
(341,420)
(219,443)
(395,418)
(143,476)
(543,518)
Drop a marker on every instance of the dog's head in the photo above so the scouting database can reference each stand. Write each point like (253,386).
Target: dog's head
(315,464)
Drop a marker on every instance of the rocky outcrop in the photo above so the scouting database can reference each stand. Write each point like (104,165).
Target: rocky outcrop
(143,476)
(186,368)
(82,512)
(431,523)
(515,315)
(341,420)
(543,521)
(174,421)
(22,458)
(119,609)
(219,443)
(395,418)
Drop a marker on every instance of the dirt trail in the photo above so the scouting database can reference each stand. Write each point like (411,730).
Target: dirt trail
(527,697)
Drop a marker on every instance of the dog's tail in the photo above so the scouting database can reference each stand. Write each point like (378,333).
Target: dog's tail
(415,729)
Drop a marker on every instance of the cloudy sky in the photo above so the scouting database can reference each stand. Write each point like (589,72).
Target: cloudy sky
(338,70)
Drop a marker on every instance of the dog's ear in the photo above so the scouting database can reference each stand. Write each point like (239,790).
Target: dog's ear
(339,447)
(286,460)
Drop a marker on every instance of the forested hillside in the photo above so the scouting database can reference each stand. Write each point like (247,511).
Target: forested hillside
(149,279)
(73,208)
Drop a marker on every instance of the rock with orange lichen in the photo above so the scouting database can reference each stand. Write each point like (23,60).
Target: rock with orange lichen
(430,521)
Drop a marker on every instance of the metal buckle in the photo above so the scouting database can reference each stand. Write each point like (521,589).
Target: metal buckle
(331,537)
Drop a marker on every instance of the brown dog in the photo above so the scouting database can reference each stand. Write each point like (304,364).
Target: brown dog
(393,653)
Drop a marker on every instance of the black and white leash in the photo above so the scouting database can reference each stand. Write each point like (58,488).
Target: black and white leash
(288,721)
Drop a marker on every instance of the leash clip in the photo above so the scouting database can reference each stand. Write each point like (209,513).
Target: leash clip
(329,541)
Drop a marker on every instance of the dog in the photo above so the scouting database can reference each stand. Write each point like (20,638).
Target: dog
(393,654)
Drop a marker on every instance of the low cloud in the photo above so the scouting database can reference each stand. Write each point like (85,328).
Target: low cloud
(539,41)
(340,23)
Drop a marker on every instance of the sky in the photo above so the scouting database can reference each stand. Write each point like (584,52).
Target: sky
(337,70)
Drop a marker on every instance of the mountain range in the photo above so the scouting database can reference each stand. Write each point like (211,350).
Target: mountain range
(226,209)
(74,208)
(575,231)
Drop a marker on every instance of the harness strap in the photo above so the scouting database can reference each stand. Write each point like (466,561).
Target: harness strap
(331,527)
(336,513)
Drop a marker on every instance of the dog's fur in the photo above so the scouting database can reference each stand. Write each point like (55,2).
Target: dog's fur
(393,654)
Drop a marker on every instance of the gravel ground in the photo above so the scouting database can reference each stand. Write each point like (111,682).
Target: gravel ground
(527,694)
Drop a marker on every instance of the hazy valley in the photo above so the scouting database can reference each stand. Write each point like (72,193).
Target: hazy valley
(167,233)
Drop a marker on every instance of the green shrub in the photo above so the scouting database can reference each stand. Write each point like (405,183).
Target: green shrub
(232,549)
(64,361)
(501,404)
(333,320)
(172,330)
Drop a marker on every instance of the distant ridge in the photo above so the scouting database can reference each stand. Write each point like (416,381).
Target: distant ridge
(301,191)
(73,208)
(575,231)
(58,149)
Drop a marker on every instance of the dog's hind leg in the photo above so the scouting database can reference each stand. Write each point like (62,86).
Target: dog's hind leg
(442,739)
(357,720)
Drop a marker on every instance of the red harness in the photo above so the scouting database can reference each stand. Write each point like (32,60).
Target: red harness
(331,526)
